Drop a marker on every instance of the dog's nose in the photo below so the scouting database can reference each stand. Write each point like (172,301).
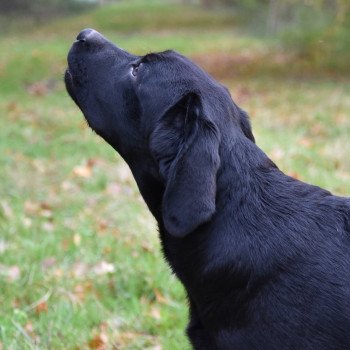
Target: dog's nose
(89,35)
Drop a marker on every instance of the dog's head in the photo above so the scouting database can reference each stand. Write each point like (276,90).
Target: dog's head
(164,115)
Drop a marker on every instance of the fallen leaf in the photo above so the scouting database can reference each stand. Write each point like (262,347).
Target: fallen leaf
(76,239)
(15,303)
(31,208)
(155,313)
(160,297)
(41,307)
(42,87)
(107,250)
(12,106)
(84,170)
(79,292)
(146,246)
(294,174)
(103,268)
(102,225)
(98,342)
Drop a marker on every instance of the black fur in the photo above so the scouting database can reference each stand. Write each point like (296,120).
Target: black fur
(264,258)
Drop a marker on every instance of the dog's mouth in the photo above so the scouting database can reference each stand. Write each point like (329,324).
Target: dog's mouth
(76,81)
(68,80)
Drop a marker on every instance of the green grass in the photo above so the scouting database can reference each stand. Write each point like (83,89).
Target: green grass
(80,262)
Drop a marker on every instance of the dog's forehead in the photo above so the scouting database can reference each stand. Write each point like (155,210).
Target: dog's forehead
(168,57)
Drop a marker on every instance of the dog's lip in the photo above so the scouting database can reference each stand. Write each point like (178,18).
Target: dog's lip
(68,73)
(68,76)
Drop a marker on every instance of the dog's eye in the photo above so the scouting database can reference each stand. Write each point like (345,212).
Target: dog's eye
(135,69)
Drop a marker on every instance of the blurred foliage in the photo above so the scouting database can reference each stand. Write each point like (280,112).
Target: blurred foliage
(42,9)
(319,33)
(316,31)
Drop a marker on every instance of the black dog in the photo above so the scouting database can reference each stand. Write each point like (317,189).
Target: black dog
(264,258)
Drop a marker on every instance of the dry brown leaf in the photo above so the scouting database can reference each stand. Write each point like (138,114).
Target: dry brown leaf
(41,307)
(15,303)
(161,299)
(294,174)
(12,106)
(146,246)
(99,342)
(42,87)
(79,292)
(31,208)
(82,171)
(102,225)
(107,250)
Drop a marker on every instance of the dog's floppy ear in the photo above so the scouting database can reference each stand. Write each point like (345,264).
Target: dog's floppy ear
(186,145)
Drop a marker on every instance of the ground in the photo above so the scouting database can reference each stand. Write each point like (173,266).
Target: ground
(80,262)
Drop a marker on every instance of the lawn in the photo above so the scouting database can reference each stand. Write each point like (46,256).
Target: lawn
(80,261)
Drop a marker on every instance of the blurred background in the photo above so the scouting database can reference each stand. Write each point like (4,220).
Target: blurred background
(80,262)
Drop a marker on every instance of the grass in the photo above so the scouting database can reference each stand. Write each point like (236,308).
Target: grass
(80,262)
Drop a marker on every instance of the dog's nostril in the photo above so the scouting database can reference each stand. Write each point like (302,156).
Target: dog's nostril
(90,36)
(84,34)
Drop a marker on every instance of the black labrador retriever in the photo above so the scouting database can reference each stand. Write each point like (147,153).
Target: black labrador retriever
(264,258)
